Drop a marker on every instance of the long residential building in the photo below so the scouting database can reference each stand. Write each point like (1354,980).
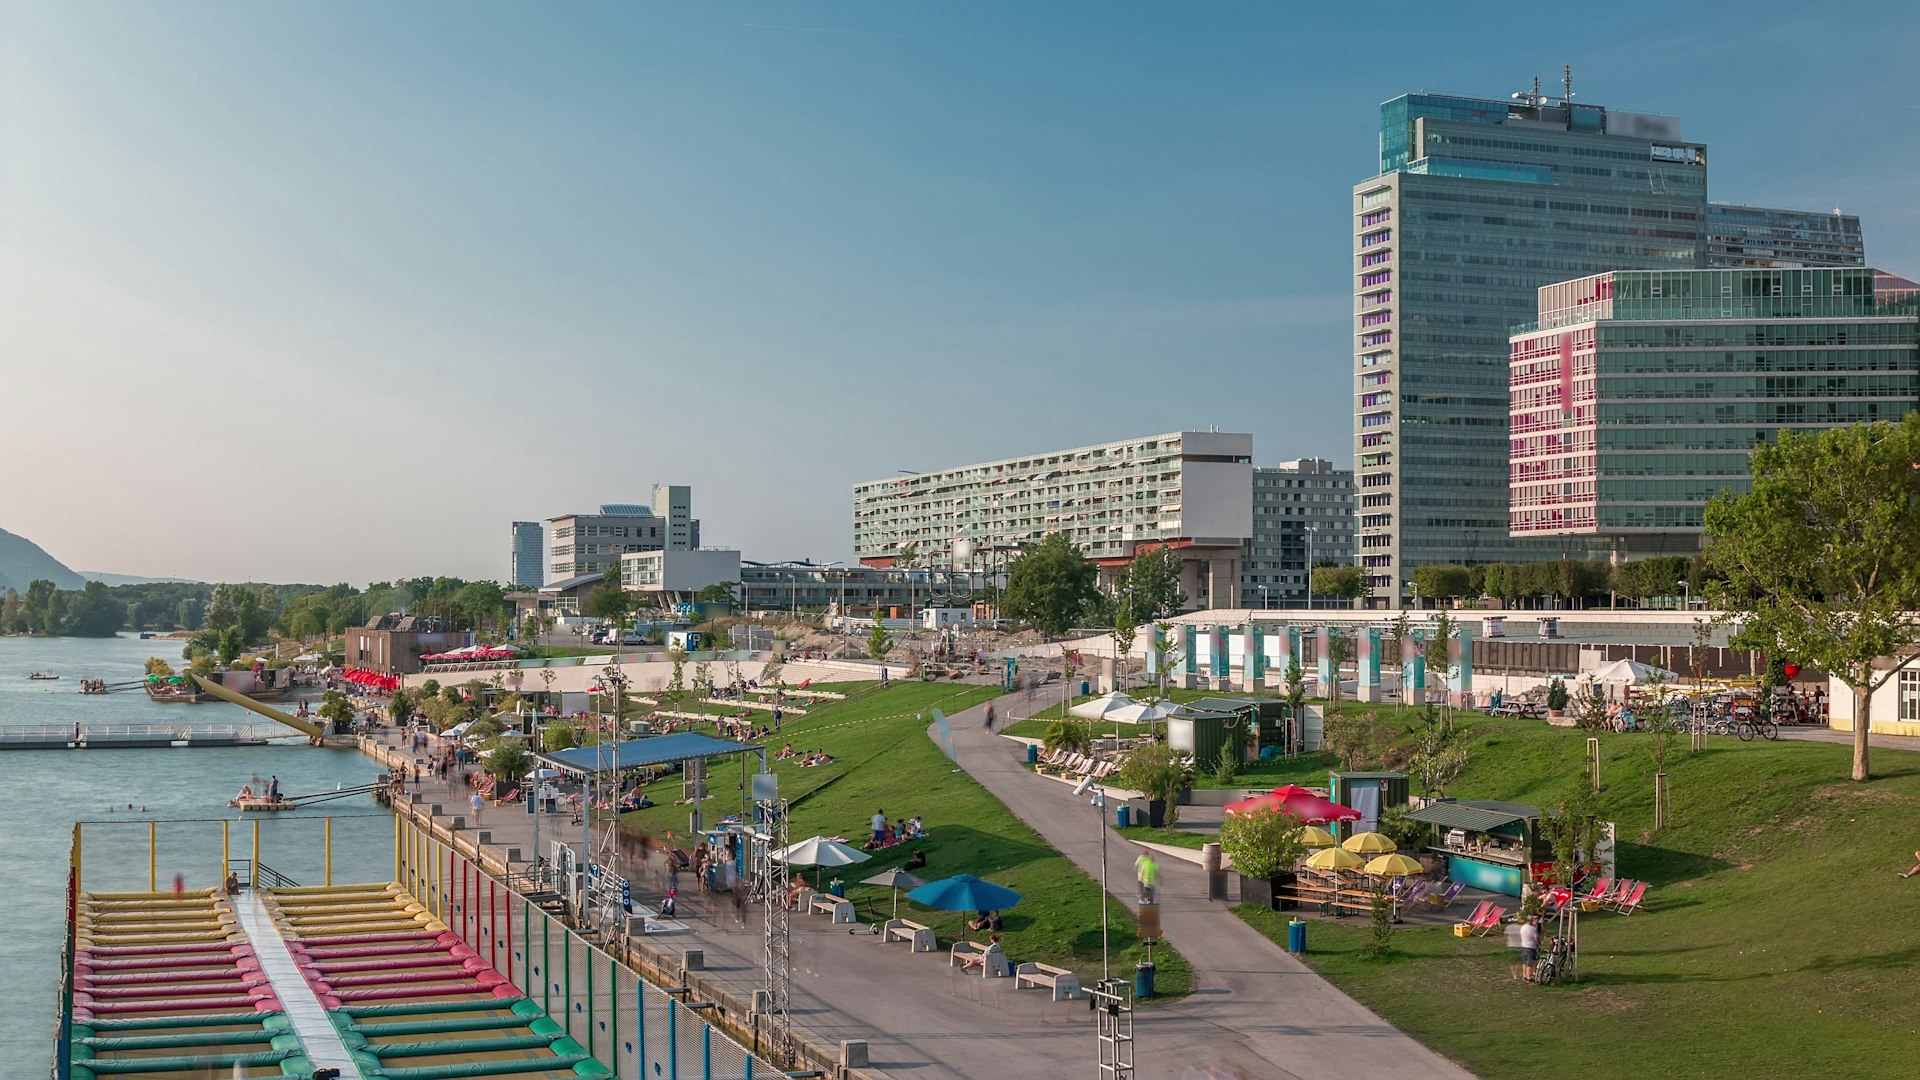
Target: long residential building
(1302,517)
(1186,490)
(1638,395)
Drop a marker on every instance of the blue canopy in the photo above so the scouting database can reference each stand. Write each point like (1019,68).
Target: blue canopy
(635,753)
(964,892)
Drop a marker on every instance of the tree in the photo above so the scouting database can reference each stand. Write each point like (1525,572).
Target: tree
(609,602)
(1152,583)
(720,592)
(1820,562)
(1157,771)
(94,613)
(400,705)
(1068,736)
(1124,630)
(676,687)
(480,603)
(1439,656)
(1263,842)
(1355,738)
(1660,736)
(1339,582)
(335,707)
(157,666)
(508,760)
(878,640)
(1439,755)
(1441,582)
(907,558)
(1049,585)
(1339,651)
(1296,699)
(1590,707)
(1400,633)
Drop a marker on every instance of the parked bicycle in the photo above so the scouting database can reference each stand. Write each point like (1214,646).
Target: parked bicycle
(1556,961)
(1758,725)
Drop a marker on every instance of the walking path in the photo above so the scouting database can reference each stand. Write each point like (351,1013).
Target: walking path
(304,1011)
(1845,738)
(1254,1008)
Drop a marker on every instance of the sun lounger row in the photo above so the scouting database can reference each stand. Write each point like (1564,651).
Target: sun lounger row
(1079,764)
(1623,895)
(1486,916)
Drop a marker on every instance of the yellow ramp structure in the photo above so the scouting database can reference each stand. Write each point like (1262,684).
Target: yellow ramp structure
(307,727)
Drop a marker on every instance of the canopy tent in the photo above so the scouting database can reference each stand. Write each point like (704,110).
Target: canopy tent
(657,750)
(372,680)
(1099,708)
(1140,712)
(1297,802)
(1630,673)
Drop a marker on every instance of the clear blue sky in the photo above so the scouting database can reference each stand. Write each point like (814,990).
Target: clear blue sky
(335,291)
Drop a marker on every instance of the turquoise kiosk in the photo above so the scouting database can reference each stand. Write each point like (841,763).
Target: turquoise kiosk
(1486,844)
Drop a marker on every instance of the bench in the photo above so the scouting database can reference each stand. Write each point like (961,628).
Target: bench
(1324,902)
(1064,984)
(907,930)
(995,966)
(841,910)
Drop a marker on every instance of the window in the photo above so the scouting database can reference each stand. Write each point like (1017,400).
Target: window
(1910,697)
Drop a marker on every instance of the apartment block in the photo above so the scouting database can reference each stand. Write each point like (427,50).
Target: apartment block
(1303,516)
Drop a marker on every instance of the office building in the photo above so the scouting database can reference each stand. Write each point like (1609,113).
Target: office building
(593,543)
(673,504)
(1637,395)
(1186,489)
(676,575)
(1302,517)
(525,569)
(1477,204)
(1755,237)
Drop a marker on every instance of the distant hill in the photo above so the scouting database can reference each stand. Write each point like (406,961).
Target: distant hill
(23,562)
(105,578)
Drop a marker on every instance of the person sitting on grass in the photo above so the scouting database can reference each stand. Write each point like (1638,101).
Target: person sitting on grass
(988,920)
(1916,866)
(915,861)
(916,829)
(979,959)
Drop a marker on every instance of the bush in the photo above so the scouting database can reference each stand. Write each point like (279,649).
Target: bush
(1228,767)
(1380,941)
(1067,735)
(1395,824)
(1557,695)
(1158,772)
(508,760)
(1262,843)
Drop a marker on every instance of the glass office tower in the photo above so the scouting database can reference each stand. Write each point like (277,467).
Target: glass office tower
(1637,395)
(1480,202)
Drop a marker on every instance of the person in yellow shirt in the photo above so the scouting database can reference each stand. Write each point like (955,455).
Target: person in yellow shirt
(1148,873)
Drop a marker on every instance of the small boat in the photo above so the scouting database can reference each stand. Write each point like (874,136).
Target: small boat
(261,803)
(43,676)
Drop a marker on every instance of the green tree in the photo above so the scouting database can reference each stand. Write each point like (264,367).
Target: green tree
(609,602)
(1439,656)
(1263,842)
(1821,560)
(480,604)
(508,760)
(1440,754)
(1125,628)
(676,687)
(878,640)
(720,592)
(1157,771)
(1399,634)
(1068,736)
(335,706)
(1295,695)
(1049,585)
(1151,583)
(94,613)
(1339,582)
(1442,582)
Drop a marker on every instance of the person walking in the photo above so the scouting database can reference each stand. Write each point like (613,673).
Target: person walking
(989,717)
(476,802)
(1529,947)
(1148,872)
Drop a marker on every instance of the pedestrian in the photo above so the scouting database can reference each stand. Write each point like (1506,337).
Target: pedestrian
(879,824)
(1529,946)
(1148,873)
(476,802)
(989,717)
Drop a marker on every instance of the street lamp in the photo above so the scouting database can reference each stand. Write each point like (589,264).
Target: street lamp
(1263,598)
(1686,596)
(1415,586)
(1311,530)
(1100,818)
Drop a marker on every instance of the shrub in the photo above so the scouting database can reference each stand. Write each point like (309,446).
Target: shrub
(1158,772)
(1228,767)
(1262,843)
(1556,695)
(1067,735)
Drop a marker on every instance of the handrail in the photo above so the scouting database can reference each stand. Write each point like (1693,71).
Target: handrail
(268,876)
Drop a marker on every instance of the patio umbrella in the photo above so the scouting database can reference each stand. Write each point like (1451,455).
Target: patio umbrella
(1370,843)
(897,879)
(1631,673)
(1316,837)
(1313,809)
(1334,858)
(1269,800)
(964,892)
(1395,865)
(820,851)
(1098,708)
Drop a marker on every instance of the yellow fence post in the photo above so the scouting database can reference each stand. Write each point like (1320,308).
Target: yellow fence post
(329,844)
(254,873)
(226,848)
(76,858)
(153,856)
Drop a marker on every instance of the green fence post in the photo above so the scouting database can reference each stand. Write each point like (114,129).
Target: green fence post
(673,1038)
(590,1008)
(546,964)
(706,1048)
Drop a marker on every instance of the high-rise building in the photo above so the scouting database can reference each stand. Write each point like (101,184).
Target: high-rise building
(1478,203)
(673,503)
(525,570)
(1302,517)
(1758,237)
(1186,490)
(1637,395)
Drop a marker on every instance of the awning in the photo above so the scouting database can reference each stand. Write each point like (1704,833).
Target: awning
(1453,815)
(635,753)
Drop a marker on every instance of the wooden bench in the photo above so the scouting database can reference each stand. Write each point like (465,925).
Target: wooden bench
(1324,902)
(994,966)
(841,910)
(907,930)
(1064,984)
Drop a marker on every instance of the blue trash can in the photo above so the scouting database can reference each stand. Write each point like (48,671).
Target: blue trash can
(1143,980)
(838,888)
(1123,817)
(1297,936)
(1033,753)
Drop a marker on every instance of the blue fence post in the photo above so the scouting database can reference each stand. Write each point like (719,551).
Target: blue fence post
(640,1040)
(673,1038)
(706,1052)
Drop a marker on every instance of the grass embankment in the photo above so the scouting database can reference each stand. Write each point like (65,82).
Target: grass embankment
(884,761)
(1774,940)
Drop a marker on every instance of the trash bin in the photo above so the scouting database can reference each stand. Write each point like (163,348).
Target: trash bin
(838,888)
(1123,816)
(1143,980)
(1297,936)
(1033,753)
(553,804)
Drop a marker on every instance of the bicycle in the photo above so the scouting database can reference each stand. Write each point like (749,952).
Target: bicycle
(1556,956)
(1765,728)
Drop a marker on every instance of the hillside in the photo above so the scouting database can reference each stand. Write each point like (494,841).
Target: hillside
(23,562)
(110,580)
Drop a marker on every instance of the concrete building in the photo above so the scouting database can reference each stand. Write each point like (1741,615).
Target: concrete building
(593,543)
(808,586)
(393,644)
(1302,516)
(1186,490)
(674,575)
(1478,202)
(1637,395)
(1756,237)
(524,567)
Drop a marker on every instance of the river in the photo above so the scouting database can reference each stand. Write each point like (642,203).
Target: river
(185,790)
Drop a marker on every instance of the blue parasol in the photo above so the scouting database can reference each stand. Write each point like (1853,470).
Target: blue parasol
(964,892)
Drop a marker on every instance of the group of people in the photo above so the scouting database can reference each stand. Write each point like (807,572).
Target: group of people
(270,791)
(807,758)
(887,833)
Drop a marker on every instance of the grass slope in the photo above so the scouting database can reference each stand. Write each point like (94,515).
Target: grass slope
(884,760)
(1776,937)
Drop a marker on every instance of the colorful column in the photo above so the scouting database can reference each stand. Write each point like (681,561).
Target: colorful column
(1323,657)
(1253,656)
(1460,667)
(1222,660)
(1366,651)
(1413,679)
(1189,654)
(1156,641)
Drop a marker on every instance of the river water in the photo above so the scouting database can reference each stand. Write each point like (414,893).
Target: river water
(185,791)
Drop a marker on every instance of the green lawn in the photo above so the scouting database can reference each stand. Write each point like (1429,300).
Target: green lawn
(884,761)
(1776,935)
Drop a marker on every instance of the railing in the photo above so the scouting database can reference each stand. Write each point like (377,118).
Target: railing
(267,875)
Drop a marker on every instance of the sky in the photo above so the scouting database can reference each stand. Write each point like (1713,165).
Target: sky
(325,292)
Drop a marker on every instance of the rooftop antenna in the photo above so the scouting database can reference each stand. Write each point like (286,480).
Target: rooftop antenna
(1535,99)
(1566,81)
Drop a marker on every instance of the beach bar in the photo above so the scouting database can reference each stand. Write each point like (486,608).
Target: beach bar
(1486,844)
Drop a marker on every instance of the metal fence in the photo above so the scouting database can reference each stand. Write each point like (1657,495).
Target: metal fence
(627,1024)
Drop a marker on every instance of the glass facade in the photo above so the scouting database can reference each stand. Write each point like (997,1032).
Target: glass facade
(1636,396)
(1479,203)
(1755,236)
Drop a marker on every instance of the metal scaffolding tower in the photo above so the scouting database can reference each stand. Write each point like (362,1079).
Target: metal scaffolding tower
(1112,1005)
(779,961)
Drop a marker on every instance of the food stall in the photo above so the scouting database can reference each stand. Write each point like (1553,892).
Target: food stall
(1486,844)
(1368,792)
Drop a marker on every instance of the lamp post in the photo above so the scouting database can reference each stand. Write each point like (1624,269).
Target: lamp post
(1100,818)
(1263,598)
(1311,529)
(1686,595)
(1415,586)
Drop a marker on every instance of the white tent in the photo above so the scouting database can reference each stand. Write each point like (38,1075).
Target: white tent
(1630,673)
(1139,712)
(1102,707)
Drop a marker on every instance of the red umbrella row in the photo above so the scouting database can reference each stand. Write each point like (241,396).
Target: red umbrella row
(372,680)
(1296,802)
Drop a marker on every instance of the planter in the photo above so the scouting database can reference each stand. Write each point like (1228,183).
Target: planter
(1157,813)
(1262,891)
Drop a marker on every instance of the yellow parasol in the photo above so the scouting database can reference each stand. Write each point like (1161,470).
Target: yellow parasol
(1370,843)
(1395,865)
(1316,837)
(1334,858)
